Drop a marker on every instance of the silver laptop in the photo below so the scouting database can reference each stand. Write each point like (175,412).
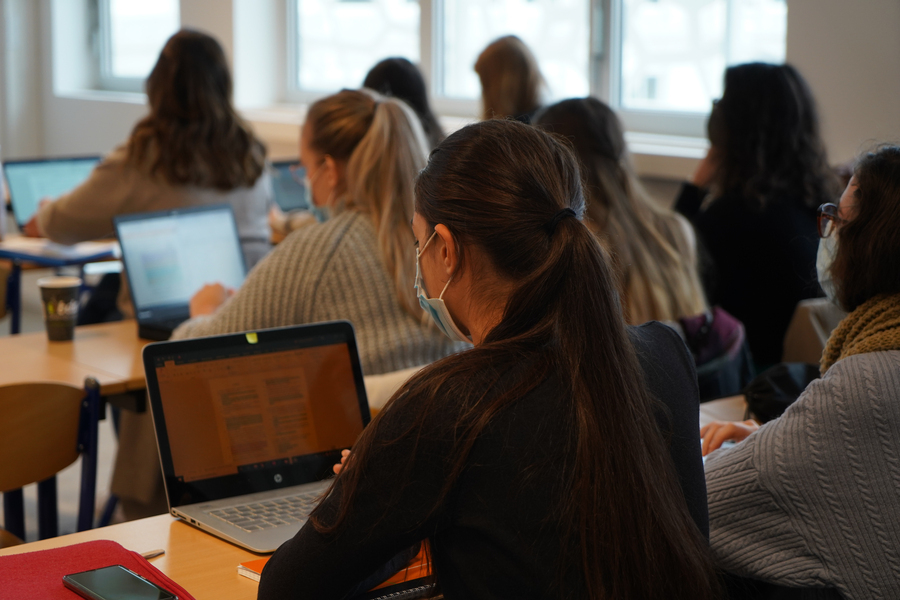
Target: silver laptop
(30,181)
(169,255)
(249,426)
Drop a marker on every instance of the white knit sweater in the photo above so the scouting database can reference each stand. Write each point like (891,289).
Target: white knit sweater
(813,499)
(326,272)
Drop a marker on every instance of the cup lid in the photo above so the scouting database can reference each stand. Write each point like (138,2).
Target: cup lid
(59,281)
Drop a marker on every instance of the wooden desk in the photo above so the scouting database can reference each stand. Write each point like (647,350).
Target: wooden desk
(109,352)
(202,564)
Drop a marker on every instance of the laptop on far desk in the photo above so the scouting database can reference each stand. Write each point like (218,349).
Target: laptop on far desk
(289,193)
(169,255)
(30,181)
(249,426)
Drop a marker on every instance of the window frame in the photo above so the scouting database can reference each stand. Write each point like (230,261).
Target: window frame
(605,70)
(104,79)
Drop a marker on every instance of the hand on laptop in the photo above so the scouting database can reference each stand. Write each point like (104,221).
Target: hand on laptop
(209,298)
(344,455)
(718,432)
(31,228)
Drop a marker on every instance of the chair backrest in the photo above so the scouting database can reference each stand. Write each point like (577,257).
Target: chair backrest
(44,429)
(38,431)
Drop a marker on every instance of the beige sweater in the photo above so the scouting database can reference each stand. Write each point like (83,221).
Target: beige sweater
(116,188)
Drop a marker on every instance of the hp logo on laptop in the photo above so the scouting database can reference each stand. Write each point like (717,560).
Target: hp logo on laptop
(278,478)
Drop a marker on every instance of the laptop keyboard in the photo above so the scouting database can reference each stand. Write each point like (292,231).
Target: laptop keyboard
(269,513)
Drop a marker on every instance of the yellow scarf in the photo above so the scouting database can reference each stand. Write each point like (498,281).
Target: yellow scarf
(873,327)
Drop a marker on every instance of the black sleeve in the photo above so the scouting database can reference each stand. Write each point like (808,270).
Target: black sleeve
(689,200)
(671,377)
(388,515)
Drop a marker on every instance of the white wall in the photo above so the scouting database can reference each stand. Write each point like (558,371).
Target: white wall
(848,50)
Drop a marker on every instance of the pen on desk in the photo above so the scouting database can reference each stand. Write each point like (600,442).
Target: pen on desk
(153,553)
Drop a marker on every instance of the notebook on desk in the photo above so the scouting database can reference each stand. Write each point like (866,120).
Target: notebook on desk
(30,181)
(169,255)
(249,426)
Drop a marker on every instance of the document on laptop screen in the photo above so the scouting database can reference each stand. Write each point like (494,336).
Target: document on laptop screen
(230,415)
(173,256)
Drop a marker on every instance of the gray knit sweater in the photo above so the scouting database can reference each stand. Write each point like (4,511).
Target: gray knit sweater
(813,499)
(325,272)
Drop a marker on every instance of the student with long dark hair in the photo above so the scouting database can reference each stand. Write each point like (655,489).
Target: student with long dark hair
(532,462)
(192,149)
(511,81)
(398,78)
(809,500)
(753,200)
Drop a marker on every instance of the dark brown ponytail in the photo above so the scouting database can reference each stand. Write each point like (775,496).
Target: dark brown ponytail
(514,193)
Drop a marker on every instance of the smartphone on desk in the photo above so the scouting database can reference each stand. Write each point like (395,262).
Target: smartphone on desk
(115,583)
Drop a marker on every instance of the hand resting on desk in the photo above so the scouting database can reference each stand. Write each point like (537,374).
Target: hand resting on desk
(209,298)
(718,432)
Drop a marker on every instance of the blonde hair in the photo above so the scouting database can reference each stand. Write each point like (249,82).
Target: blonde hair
(511,81)
(384,147)
(653,248)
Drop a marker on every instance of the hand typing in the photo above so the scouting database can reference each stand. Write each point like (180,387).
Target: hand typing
(344,455)
(718,432)
(209,298)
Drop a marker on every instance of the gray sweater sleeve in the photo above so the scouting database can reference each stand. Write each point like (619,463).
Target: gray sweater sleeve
(810,500)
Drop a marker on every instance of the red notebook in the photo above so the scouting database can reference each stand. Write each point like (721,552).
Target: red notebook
(39,574)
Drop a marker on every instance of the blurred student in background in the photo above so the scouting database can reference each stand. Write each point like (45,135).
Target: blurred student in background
(531,462)
(399,78)
(511,82)
(809,500)
(653,248)
(753,200)
(192,149)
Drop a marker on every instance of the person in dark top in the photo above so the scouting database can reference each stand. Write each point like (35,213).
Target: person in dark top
(532,462)
(753,201)
(399,78)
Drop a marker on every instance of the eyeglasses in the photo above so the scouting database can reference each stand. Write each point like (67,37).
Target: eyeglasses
(828,219)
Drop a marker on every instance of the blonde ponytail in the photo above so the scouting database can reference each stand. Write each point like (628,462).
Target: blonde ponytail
(381,175)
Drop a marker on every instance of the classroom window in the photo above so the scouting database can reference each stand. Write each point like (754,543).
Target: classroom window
(336,42)
(557,31)
(660,63)
(131,34)
(674,52)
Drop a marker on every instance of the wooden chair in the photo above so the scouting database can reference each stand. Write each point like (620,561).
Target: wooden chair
(44,429)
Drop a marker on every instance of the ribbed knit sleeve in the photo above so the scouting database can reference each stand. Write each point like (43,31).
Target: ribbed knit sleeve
(813,499)
(327,272)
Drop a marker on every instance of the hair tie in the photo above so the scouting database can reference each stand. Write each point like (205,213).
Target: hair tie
(551,226)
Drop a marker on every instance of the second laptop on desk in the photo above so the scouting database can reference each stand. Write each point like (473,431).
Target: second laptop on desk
(249,425)
(169,255)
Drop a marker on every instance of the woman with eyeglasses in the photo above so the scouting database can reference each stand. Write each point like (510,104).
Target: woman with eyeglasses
(810,500)
(532,462)
(753,201)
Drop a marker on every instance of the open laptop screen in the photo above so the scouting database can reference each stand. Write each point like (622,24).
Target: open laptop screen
(170,255)
(30,181)
(242,417)
(289,193)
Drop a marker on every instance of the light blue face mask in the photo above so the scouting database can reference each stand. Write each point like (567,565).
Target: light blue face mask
(435,307)
(824,260)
